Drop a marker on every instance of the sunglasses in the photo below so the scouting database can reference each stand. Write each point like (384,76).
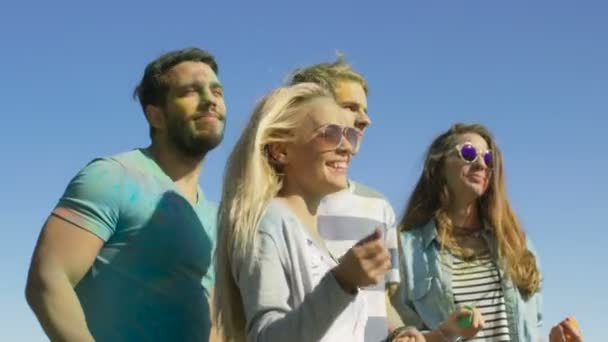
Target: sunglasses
(329,137)
(469,154)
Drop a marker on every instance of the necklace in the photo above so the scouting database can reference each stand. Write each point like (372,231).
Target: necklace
(467,232)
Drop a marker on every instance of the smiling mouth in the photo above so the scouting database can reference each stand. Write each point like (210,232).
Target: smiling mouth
(207,116)
(477,178)
(340,166)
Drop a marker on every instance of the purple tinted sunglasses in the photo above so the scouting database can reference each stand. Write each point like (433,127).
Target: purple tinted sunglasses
(469,154)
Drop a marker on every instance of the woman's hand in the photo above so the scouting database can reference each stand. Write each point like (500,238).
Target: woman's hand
(464,322)
(409,334)
(566,331)
(364,264)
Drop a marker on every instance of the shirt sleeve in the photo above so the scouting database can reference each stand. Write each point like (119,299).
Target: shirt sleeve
(538,297)
(392,276)
(265,290)
(92,199)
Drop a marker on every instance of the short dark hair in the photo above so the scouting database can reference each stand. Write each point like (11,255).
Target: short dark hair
(152,89)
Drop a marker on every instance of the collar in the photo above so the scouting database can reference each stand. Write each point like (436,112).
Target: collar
(429,232)
(351,185)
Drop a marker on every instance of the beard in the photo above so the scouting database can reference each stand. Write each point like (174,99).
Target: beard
(191,141)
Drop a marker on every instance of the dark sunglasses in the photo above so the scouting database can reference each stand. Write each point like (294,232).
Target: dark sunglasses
(469,154)
(330,137)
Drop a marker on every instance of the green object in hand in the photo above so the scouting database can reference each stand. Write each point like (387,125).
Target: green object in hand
(465,321)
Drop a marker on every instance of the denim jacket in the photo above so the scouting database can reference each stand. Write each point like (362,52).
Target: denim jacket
(425,298)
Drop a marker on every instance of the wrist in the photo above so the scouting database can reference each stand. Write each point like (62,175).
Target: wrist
(448,333)
(396,333)
(344,284)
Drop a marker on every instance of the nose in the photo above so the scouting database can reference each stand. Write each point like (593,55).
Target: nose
(362,121)
(480,163)
(207,98)
(344,147)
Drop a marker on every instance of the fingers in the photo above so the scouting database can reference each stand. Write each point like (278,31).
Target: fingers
(375,268)
(374,236)
(371,249)
(465,313)
(373,252)
(365,263)
(371,245)
(478,321)
(405,339)
(557,334)
(382,260)
(569,331)
(409,335)
(461,318)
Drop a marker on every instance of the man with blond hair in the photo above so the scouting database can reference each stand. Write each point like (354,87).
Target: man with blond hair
(349,215)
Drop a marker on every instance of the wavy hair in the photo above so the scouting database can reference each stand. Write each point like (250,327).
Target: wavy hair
(430,200)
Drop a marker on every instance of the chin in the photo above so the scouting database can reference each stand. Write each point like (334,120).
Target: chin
(478,192)
(335,186)
(470,192)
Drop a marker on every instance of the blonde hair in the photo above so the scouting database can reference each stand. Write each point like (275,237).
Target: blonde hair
(251,180)
(328,75)
(430,200)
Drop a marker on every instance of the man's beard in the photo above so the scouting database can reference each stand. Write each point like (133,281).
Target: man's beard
(190,142)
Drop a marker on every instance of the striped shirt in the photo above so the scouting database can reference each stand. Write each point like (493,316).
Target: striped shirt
(345,218)
(477,283)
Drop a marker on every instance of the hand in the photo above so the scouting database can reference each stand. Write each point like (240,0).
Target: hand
(410,334)
(454,329)
(364,264)
(566,331)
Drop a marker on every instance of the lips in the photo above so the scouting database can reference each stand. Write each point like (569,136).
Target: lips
(208,115)
(477,178)
(338,165)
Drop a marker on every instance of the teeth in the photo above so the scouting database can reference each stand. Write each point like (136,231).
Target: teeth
(338,165)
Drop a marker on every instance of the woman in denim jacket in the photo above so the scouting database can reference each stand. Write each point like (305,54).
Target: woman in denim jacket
(468,269)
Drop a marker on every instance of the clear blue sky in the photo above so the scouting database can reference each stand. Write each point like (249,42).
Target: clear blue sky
(535,72)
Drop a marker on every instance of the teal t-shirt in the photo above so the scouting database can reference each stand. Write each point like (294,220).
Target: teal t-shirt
(151,280)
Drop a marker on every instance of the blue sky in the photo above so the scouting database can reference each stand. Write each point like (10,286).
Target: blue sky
(535,72)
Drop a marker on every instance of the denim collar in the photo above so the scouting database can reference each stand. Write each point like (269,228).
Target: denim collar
(429,232)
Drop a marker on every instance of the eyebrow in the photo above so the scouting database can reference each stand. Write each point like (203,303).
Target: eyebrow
(354,103)
(217,85)
(195,84)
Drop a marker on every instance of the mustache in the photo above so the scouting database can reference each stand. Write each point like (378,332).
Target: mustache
(209,112)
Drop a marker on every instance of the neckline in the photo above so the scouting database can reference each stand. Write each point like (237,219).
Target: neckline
(147,154)
(318,243)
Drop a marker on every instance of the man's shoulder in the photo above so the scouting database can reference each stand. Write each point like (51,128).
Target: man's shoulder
(357,193)
(115,178)
(132,159)
(208,209)
(357,201)
(360,189)
(116,162)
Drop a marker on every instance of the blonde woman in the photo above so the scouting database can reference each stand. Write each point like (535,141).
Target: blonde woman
(276,280)
(468,268)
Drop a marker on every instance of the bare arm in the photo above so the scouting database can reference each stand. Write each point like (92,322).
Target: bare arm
(215,334)
(63,255)
(394,320)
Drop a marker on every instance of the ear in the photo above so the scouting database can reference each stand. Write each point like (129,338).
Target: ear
(277,152)
(155,116)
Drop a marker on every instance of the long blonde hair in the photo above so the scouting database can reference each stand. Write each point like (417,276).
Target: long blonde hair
(251,180)
(431,198)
